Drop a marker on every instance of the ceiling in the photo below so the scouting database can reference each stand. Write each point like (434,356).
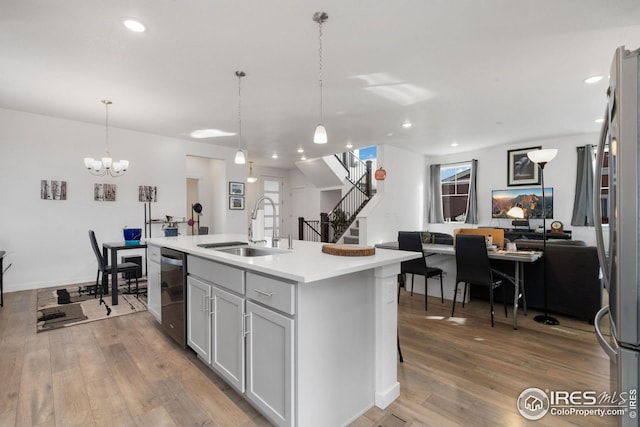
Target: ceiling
(479,73)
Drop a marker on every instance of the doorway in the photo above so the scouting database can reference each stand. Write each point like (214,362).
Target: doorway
(272,188)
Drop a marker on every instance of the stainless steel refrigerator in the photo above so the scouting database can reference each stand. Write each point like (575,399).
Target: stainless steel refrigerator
(618,240)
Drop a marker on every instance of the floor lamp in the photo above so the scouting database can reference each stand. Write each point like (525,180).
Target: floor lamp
(542,157)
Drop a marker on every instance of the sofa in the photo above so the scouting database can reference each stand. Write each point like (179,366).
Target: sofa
(573,278)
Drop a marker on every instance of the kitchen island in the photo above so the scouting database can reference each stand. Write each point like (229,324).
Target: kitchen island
(308,338)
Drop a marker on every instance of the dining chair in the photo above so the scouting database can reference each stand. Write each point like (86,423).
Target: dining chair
(105,270)
(412,241)
(473,267)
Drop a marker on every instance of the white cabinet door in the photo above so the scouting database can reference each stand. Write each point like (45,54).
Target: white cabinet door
(153,290)
(270,363)
(227,337)
(198,319)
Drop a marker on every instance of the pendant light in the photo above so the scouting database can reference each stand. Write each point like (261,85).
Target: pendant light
(106,165)
(240,159)
(251,179)
(320,135)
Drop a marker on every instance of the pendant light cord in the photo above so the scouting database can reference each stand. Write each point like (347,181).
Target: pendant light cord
(239,111)
(106,106)
(320,63)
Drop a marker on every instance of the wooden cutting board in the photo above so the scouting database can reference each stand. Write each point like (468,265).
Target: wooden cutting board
(348,250)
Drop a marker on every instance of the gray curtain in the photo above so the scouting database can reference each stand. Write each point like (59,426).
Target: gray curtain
(435,204)
(472,201)
(583,201)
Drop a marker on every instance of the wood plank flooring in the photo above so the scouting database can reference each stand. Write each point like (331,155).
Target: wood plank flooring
(125,372)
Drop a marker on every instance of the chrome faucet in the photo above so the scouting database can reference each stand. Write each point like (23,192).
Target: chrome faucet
(254,215)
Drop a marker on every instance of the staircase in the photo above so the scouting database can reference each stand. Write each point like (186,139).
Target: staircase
(340,222)
(344,214)
(352,236)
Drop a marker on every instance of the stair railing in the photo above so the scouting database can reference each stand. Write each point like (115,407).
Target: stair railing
(347,209)
(309,230)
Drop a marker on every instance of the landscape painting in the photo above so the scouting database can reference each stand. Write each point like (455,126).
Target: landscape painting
(529,199)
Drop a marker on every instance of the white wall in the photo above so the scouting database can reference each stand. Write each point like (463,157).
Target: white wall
(399,202)
(306,196)
(47,240)
(492,175)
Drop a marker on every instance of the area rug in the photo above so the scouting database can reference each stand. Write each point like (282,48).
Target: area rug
(70,305)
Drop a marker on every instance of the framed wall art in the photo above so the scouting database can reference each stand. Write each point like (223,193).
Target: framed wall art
(104,192)
(520,169)
(147,193)
(236,188)
(53,190)
(236,203)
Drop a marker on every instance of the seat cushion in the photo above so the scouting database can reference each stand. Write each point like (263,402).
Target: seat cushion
(125,266)
(417,268)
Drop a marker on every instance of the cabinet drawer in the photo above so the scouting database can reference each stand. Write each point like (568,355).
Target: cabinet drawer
(222,275)
(153,253)
(271,292)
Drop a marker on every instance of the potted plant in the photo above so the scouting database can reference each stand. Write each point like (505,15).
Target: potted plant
(338,221)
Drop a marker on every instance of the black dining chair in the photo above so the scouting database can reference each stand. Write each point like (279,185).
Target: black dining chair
(105,270)
(412,241)
(473,267)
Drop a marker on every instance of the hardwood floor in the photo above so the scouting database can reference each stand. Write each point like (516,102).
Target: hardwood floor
(125,372)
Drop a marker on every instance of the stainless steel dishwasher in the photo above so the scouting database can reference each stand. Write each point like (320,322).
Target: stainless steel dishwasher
(173,274)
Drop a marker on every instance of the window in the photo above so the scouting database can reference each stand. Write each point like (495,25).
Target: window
(455,180)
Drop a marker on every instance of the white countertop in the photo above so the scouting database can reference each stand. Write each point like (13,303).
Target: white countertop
(304,263)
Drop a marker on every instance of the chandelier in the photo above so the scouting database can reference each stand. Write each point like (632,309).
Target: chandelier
(106,166)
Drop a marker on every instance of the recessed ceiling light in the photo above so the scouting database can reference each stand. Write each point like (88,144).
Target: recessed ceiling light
(209,133)
(300,150)
(454,144)
(406,125)
(274,156)
(349,145)
(303,158)
(592,79)
(601,120)
(134,25)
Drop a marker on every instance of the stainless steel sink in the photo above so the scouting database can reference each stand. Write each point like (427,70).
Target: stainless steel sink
(250,251)
(221,244)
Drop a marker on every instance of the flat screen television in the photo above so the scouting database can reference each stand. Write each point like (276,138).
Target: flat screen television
(529,199)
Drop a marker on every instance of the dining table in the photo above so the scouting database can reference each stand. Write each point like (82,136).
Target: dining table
(517,257)
(110,255)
